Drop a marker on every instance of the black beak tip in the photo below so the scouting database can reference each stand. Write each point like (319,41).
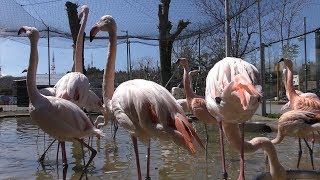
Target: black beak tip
(91,38)
(281,60)
(20,31)
(178,61)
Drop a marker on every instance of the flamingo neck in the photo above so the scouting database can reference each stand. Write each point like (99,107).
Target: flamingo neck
(290,89)
(108,76)
(79,46)
(32,71)
(186,83)
(232,133)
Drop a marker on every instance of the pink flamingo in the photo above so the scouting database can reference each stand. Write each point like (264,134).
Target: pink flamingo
(232,132)
(298,102)
(183,102)
(300,124)
(232,96)
(144,108)
(58,117)
(75,86)
(307,94)
(196,104)
(307,102)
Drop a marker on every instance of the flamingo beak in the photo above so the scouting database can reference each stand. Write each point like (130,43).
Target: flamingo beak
(94,30)
(80,15)
(281,60)
(178,61)
(22,30)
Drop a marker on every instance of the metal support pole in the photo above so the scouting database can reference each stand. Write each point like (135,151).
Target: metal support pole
(317,51)
(49,56)
(262,64)
(227,28)
(305,54)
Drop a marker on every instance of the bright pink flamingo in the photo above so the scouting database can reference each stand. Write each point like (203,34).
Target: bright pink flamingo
(144,108)
(58,117)
(299,124)
(232,96)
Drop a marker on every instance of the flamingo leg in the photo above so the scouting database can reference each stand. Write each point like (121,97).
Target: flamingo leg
(41,159)
(148,162)
(224,172)
(135,146)
(93,154)
(299,153)
(241,175)
(310,152)
(207,139)
(84,161)
(57,153)
(64,154)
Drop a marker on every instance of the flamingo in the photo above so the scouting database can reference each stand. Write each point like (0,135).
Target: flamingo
(307,102)
(58,117)
(196,104)
(307,94)
(144,108)
(74,86)
(300,124)
(232,132)
(232,96)
(298,102)
(183,102)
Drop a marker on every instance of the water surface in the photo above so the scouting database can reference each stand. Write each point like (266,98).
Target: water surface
(22,143)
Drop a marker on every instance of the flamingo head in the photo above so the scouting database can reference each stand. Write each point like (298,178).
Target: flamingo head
(287,62)
(106,23)
(31,32)
(194,72)
(84,10)
(182,61)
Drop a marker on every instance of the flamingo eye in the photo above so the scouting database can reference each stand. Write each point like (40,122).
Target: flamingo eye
(218,100)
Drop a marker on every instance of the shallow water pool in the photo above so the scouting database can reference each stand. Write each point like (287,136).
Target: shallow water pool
(22,143)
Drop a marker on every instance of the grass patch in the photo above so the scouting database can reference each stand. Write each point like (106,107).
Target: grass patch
(274,115)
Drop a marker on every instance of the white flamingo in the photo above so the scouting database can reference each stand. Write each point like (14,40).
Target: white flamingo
(232,96)
(58,117)
(144,108)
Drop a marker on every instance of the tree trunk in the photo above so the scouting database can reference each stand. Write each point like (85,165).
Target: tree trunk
(74,24)
(166,40)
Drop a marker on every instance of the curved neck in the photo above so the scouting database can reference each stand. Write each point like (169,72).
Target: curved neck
(191,80)
(186,83)
(108,76)
(78,64)
(290,89)
(232,133)
(32,71)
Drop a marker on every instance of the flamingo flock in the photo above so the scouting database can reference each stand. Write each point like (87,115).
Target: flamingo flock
(148,111)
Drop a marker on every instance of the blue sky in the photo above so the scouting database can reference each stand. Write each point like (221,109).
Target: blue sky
(14,57)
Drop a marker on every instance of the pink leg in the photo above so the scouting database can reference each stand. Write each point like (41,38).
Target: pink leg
(135,146)
(224,171)
(148,162)
(241,175)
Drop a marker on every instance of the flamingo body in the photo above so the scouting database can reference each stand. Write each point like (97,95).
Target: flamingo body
(147,110)
(229,81)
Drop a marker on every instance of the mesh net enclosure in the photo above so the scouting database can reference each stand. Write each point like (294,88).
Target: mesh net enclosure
(140,18)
